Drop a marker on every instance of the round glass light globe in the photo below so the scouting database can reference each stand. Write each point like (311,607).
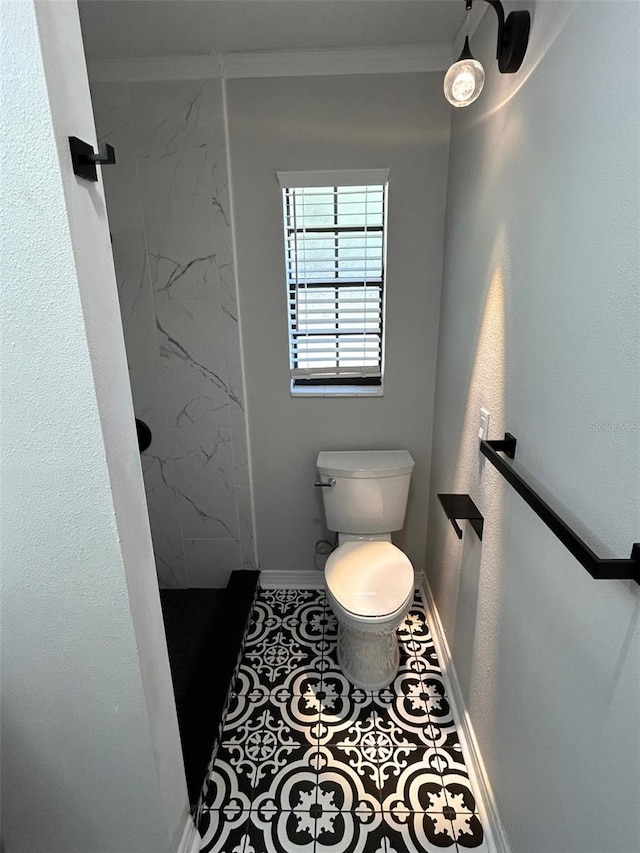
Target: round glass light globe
(463,82)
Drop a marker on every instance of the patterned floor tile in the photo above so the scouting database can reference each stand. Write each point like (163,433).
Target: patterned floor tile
(418,832)
(308,762)
(283,657)
(337,684)
(341,787)
(349,832)
(222,792)
(369,728)
(264,633)
(246,724)
(224,834)
(263,617)
(249,682)
(458,793)
(449,754)
(352,768)
(294,788)
(311,621)
(306,681)
(400,761)
(285,602)
(241,712)
(285,831)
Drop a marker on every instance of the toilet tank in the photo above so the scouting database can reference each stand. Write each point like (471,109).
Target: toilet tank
(370,491)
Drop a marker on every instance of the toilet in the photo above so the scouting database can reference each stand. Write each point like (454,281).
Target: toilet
(369,581)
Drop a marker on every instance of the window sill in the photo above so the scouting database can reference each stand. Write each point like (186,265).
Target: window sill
(339,391)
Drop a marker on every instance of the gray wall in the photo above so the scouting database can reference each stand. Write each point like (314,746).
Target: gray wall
(540,319)
(169,217)
(91,755)
(397,121)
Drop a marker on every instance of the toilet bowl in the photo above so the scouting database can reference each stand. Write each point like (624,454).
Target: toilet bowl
(370,588)
(369,580)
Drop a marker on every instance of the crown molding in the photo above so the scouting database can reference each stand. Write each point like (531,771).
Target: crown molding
(401,59)
(155,68)
(336,61)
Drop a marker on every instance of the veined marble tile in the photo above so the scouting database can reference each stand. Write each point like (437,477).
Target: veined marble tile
(179,221)
(211,561)
(214,96)
(173,114)
(202,463)
(245,520)
(227,285)
(148,394)
(166,532)
(232,339)
(168,205)
(112,113)
(238,427)
(230,320)
(220,204)
(195,378)
(136,301)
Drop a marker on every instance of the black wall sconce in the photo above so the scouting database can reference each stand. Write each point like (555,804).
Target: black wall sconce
(84,159)
(464,80)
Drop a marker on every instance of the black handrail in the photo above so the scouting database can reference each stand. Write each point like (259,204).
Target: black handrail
(598,568)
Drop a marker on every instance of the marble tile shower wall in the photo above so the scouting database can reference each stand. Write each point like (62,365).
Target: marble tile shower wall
(168,207)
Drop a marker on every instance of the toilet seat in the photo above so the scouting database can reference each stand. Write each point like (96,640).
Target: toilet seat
(369,579)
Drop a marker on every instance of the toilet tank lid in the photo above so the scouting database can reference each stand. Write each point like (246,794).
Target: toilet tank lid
(364,463)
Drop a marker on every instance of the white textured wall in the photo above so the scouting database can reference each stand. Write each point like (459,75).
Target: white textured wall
(540,318)
(90,749)
(394,121)
(169,218)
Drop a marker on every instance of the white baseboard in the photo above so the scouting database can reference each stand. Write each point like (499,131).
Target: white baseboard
(313,579)
(497,841)
(190,841)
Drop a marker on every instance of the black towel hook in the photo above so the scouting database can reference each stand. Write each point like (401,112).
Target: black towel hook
(84,159)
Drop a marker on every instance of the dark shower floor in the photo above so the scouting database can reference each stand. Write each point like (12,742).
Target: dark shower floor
(204,629)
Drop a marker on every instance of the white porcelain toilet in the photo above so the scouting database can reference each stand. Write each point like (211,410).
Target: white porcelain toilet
(369,581)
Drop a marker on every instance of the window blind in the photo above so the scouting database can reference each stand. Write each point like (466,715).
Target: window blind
(335,258)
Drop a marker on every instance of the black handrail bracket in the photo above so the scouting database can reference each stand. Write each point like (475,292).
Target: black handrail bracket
(598,567)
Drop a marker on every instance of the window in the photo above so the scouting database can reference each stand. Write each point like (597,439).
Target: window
(334,227)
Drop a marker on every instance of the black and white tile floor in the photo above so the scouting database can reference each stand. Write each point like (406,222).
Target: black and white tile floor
(309,763)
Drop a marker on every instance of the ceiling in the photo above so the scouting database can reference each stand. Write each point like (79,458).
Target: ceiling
(119,29)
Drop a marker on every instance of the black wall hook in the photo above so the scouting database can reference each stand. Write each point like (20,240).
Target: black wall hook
(84,159)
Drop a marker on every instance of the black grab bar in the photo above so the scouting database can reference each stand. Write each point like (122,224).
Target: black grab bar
(598,567)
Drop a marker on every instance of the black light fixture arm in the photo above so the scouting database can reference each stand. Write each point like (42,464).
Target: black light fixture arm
(513,36)
(497,5)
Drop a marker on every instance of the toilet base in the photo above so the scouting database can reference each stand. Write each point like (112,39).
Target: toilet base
(368,659)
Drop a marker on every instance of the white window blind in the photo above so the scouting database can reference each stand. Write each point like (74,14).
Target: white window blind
(335,261)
